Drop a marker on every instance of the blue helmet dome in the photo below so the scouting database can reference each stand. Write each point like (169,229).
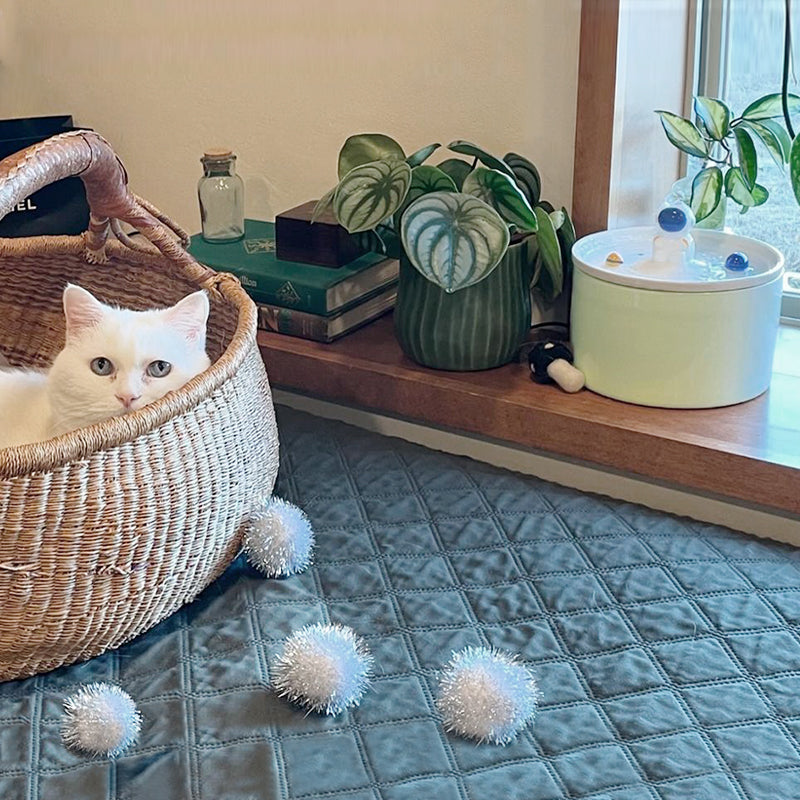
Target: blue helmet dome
(675,219)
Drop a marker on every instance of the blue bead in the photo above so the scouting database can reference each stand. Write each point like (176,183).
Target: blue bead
(737,262)
(672,219)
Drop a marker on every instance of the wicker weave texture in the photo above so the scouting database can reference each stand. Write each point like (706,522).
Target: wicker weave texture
(106,531)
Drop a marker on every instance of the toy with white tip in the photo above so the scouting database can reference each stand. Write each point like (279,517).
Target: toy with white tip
(551,361)
(278,539)
(325,668)
(487,695)
(100,719)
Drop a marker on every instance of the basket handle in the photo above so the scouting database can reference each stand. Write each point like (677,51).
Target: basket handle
(89,156)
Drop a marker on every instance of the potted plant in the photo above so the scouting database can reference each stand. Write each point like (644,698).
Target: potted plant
(473,237)
(726,145)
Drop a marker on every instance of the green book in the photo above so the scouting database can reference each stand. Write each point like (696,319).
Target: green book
(289,284)
(326,328)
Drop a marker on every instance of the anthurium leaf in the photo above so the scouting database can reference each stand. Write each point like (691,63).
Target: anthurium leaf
(746,151)
(453,239)
(768,137)
(769,106)
(706,192)
(425,179)
(526,176)
(716,116)
(369,193)
(415,159)
(502,193)
(794,167)
(550,253)
(737,189)
(684,134)
(366,147)
(456,169)
(469,149)
(323,204)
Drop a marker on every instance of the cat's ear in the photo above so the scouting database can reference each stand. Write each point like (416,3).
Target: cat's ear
(81,309)
(189,316)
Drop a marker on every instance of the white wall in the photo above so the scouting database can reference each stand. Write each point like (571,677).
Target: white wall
(284,83)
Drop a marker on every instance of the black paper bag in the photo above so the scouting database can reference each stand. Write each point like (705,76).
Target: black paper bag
(59,208)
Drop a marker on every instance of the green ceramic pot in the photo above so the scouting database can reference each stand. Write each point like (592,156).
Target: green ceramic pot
(479,327)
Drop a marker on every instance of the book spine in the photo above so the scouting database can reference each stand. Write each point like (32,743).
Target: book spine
(294,323)
(282,291)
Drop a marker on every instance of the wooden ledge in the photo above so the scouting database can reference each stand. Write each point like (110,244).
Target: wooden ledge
(749,452)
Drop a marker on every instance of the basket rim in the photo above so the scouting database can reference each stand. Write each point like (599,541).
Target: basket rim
(80,444)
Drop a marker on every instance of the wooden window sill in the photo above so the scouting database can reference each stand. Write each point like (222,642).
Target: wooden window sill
(749,452)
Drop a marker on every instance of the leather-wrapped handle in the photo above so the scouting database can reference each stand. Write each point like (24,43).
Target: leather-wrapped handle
(89,156)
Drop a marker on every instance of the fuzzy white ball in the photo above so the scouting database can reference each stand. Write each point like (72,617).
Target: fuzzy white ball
(325,668)
(101,719)
(278,539)
(486,695)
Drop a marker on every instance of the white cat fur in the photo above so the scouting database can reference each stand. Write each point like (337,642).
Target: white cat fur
(36,405)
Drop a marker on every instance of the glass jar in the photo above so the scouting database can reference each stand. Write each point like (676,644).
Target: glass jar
(221,195)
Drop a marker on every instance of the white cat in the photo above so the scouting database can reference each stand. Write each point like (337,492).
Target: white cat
(114,361)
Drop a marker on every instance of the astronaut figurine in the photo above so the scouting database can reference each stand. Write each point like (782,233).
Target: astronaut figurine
(675,243)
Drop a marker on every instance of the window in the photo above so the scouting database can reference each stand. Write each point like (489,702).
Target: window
(741,59)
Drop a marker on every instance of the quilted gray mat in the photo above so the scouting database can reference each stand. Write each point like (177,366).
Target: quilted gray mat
(667,651)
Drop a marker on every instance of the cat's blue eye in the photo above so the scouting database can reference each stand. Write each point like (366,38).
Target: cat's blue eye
(101,366)
(159,369)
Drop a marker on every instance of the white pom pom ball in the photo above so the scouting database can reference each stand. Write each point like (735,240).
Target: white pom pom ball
(325,668)
(101,719)
(278,539)
(486,695)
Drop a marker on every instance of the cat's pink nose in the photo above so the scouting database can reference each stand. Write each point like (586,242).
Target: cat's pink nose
(127,400)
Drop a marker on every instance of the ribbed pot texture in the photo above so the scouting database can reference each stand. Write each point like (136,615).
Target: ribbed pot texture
(479,327)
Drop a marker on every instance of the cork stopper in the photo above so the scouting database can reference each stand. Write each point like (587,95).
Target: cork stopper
(218,154)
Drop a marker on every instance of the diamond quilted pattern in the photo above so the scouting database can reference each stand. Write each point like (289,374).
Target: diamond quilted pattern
(667,652)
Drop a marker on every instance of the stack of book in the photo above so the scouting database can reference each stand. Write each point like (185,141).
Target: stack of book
(300,298)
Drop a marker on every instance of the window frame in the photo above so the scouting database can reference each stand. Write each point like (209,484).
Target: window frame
(597,102)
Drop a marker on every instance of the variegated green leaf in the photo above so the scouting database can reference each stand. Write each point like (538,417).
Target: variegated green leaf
(746,151)
(425,179)
(776,146)
(715,115)
(737,189)
(366,147)
(706,192)
(453,239)
(794,167)
(415,159)
(469,149)
(368,194)
(456,169)
(769,106)
(683,133)
(323,204)
(551,278)
(781,135)
(557,218)
(566,238)
(502,193)
(526,176)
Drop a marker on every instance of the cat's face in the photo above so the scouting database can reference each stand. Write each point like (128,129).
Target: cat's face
(116,360)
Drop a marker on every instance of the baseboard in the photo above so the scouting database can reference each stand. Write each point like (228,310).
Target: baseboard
(577,475)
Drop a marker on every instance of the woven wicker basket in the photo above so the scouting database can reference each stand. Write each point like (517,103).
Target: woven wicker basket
(107,530)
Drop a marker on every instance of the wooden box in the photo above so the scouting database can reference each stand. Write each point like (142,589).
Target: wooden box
(324,242)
